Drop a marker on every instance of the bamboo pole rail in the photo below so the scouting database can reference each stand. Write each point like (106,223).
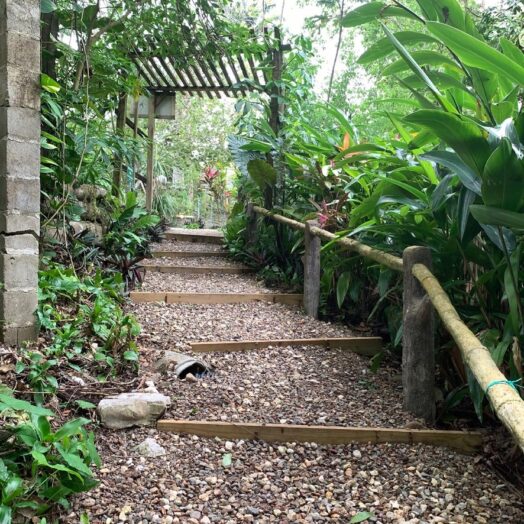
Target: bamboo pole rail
(504,397)
(386,259)
(294,224)
(506,401)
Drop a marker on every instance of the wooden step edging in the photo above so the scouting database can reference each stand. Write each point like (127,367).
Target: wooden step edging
(190,254)
(462,441)
(195,235)
(368,346)
(220,270)
(141,297)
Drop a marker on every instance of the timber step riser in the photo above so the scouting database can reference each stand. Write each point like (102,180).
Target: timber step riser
(367,346)
(464,442)
(194,238)
(199,270)
(139,297)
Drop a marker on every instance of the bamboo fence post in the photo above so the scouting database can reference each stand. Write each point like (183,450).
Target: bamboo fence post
(311,270)
(418,340)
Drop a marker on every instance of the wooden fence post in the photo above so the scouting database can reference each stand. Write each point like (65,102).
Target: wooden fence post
(150,186)
(251,227)
(418,340)
(311,270)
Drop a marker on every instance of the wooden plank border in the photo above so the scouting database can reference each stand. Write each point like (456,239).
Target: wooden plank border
(190,254)
(368,346)
(140,297)
(220,270)
(462,441)
(194,238)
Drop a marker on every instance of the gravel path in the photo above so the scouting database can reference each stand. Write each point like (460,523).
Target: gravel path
(293,385)
(199,283)
(192,262)
(280,483)
(177,245)
(290,483)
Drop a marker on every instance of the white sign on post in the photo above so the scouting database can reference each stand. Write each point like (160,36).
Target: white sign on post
(165,107)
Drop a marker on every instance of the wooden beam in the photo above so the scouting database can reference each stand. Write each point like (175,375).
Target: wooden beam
(199,89)
(131,124)
(194,235)
(140,297)
(368,346)
(462,441)
(220,270)
(190,254)
(150,153)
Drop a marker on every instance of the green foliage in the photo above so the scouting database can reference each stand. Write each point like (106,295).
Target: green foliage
(85,324)
(127,239)
(41,464)
(449,176)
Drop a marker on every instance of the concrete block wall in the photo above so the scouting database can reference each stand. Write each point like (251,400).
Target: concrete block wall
(19,168)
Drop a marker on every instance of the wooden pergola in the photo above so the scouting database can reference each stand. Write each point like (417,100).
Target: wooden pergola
(226,74)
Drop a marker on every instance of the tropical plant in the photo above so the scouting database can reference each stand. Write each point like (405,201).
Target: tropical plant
(41,464)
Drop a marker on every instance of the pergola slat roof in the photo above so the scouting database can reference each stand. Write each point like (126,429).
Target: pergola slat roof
(226,74)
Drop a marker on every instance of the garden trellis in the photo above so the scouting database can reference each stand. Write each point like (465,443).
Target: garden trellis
(227,74)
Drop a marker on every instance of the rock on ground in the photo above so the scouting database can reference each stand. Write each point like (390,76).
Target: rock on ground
(132,409)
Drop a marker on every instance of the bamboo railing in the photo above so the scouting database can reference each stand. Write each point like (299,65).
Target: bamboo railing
(418,387)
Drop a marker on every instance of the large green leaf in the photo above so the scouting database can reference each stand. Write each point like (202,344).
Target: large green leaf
(512,51)
(47,6)
(373,11)
(498,217)
(384,47)
(458,132)
(412,64)
(262,173)
(342,287)
(503,179)
(423,58)
(8,402)
(453,162)
(475,53)
(441,80)
(449,12)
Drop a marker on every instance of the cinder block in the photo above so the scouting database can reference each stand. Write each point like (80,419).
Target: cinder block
(28,333)
(20,124)
(19,159)
(13,222)
(19,272)
(13,336)
(17,308)
(22,16)
(19,194)
(8,335)
(21,51)
(25,244)
(19,87)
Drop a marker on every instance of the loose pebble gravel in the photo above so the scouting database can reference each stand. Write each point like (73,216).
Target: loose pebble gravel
(177,245)
(206,480)
(192,262)
(203,283)
(289,482)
